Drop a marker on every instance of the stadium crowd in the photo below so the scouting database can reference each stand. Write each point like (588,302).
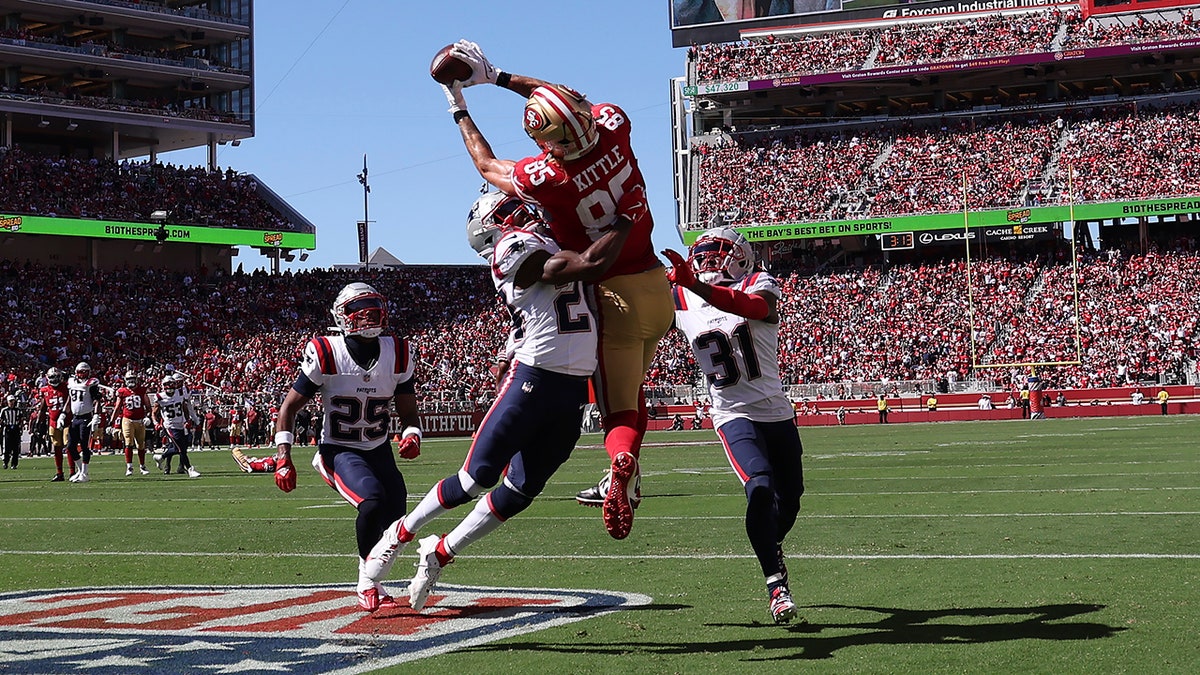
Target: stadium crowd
(1125,152)
(128,191)
(909,43)
(238,337)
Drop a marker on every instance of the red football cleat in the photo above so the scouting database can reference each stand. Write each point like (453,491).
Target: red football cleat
(618,510)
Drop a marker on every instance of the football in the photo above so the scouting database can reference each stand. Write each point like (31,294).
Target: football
(446,68)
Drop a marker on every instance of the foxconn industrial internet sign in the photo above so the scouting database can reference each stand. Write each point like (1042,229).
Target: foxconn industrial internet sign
(308,630)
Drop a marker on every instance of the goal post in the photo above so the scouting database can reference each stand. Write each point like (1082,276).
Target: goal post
(1069,351)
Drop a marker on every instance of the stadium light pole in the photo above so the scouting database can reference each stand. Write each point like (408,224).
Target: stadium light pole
(365,253)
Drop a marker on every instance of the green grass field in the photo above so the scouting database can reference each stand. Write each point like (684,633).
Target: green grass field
(1063,546)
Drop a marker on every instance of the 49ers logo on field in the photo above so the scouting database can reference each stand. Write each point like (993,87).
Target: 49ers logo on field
(294,629)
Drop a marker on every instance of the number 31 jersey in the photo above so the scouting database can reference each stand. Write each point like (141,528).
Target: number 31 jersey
(356,401)
(739,356)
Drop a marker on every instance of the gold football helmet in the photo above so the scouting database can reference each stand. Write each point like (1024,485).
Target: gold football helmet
(559,119)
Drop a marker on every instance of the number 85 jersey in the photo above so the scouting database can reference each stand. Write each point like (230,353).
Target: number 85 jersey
(739,356)
(357,400)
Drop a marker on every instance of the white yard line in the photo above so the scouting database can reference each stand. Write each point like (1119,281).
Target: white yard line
(681,556)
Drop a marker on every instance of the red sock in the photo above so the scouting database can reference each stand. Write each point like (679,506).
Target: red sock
(622,434)
(404,535)
(642,422)
(58,453)
(444,556)
(129,455)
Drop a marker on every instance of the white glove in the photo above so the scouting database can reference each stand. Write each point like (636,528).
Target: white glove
(61,422)
(454,97)
(482,70)
(95,422)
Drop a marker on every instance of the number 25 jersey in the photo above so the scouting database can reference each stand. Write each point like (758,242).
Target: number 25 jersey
(356,400)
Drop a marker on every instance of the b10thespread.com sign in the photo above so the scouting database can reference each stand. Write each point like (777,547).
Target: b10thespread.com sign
(188,234)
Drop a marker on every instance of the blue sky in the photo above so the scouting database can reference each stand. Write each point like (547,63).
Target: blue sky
(336,80)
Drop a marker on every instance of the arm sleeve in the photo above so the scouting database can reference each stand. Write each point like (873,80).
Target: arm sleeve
(305,387)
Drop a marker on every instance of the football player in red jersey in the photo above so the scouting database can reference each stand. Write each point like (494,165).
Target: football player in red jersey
(52,398)
(131,406)
(584,178)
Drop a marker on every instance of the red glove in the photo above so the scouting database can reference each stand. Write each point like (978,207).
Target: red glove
(285,473)
(633,206)
(409,447)
(680,272)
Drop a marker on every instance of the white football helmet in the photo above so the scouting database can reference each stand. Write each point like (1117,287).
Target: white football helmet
(559,119)
(54,376)
(168,384)
(83,371)
(132,379)
(721,256)
(491,215)
(360,310)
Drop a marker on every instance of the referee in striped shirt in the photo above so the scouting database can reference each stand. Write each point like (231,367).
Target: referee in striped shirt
(11,421)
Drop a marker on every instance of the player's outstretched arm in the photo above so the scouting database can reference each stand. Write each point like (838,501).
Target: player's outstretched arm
(496,171)
(758,306)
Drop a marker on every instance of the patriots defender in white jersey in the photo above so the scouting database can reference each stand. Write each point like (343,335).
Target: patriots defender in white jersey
(83,416)
(728,312)
(533,425)
(358,374)
(172,412)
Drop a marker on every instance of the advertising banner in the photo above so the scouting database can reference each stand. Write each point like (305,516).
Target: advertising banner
(187,234)
(930,222)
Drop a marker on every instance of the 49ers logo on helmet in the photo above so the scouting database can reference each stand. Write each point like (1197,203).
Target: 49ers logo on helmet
(533,119)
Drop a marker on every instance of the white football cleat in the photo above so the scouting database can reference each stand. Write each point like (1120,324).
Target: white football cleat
(428,572)
(192,473)
(383,555)
(129,471)
(80,478)
(783,609)
(142,468)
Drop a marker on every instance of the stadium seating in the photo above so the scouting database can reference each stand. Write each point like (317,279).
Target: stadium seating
(244,333)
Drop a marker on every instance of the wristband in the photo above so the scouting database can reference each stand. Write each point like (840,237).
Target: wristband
(282,437)
(411,431)
(460,114)
(502,79)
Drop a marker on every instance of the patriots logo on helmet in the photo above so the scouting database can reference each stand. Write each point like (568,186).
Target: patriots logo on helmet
(533,119)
